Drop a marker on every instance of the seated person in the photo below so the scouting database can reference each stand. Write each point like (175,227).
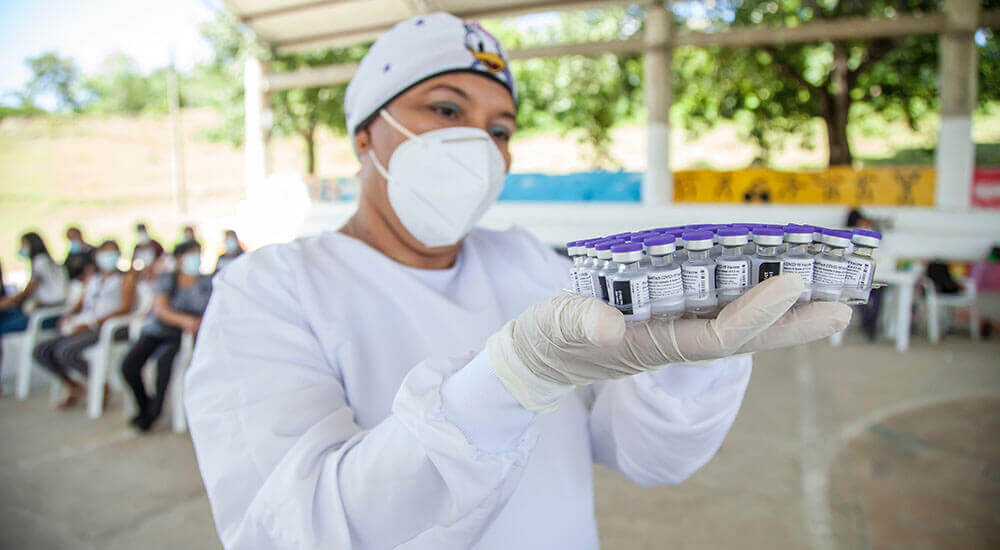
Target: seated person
(181,299)
(108,293)
(46,287)
(146,253)
(80,259)
(233,250)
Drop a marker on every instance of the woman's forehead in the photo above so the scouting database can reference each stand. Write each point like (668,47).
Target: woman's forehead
(479,90)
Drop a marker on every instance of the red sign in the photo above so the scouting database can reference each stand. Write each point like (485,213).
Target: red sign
(986,187)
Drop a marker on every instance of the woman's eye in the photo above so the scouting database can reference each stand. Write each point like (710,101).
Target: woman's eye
(500,132)
(447,110)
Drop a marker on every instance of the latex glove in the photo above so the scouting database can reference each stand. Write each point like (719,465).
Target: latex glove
(568,341)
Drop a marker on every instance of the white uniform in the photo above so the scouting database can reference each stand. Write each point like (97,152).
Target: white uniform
(52,281)
(329,406)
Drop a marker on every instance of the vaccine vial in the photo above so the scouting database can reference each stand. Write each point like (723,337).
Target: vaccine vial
(817,241)
(750,247)
(796,258)
(666,287)
(698,274)
(578,255)
(716,247)
(680,253)
(765,260)
(604,266)
(830,269)
(861,265)
(732,268)
(585,274)
(628,285)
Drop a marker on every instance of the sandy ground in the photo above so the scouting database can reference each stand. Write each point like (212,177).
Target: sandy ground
(851,447)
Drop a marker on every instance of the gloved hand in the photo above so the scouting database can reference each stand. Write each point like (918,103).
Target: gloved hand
(568,341)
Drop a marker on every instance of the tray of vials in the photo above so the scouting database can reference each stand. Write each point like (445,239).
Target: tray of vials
(693,271)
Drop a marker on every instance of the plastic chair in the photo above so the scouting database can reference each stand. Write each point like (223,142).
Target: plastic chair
(936,305)
(107,353)
(176,390)
(34,333)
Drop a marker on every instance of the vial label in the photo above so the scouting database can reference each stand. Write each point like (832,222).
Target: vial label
(630,294)
(732,274)
(602,281)
(586,283)
(829,273)
(574,281)
(665,284)
(695,279)
(766,270)
(803,267)
(859,274)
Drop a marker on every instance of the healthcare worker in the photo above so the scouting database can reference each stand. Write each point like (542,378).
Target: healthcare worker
(410,381)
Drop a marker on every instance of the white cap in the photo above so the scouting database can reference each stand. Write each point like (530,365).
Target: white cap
(661,249)
(576,250)
(415,50)
(768,240)
(802,236)
(604,254)
(733,240)
(626,257)
(836,241)
(870,241)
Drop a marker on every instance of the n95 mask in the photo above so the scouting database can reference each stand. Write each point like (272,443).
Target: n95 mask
(440,183)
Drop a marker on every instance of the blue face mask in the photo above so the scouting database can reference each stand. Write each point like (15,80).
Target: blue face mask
(107,260)
(74,247)
(23,253)
(191,264)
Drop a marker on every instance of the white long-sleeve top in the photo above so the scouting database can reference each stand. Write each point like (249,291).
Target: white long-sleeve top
(338,399)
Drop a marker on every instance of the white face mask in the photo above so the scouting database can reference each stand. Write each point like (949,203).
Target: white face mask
(440,183)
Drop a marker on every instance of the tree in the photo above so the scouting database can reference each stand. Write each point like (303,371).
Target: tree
(58,76)
(778,90)
(120,87)
(586,95)
(298,112)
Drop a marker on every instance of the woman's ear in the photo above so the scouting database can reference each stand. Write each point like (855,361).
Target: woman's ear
(362,142)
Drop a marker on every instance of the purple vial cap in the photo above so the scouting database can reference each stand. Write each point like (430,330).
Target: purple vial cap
(697,235)
(589,243)
(572,244)
(626,247)
(731,231)
(772,231)
(608,243)
(868,233)
(658,240)
(795,228)
(839,233)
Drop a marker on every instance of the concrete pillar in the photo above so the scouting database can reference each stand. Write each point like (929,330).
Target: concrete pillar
(256,123)
(657,186)
(177,171)
(955,159)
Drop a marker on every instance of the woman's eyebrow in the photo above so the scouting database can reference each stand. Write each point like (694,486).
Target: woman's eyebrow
(453,89)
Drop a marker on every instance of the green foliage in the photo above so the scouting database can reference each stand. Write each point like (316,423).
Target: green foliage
(55,75)
(776,90)
(120,87)
(585,95)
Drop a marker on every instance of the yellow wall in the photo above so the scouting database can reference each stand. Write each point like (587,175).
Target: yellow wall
(897,185)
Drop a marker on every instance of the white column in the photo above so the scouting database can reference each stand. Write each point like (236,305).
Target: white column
(176,141)
(256,123)
(955,158)
(657,185)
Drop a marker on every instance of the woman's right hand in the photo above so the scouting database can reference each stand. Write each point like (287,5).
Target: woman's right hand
(568,341)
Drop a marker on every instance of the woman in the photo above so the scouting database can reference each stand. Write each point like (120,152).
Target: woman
(233,250)
(108,293)
(80,257)
(145,254)
(181,299)
(46,287)
(410,381)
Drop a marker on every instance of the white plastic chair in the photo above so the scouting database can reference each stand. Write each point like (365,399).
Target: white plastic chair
(104,356)
(176,389)
(936,305)
(34,333)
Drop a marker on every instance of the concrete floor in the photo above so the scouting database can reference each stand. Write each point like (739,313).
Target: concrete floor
(850,447)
